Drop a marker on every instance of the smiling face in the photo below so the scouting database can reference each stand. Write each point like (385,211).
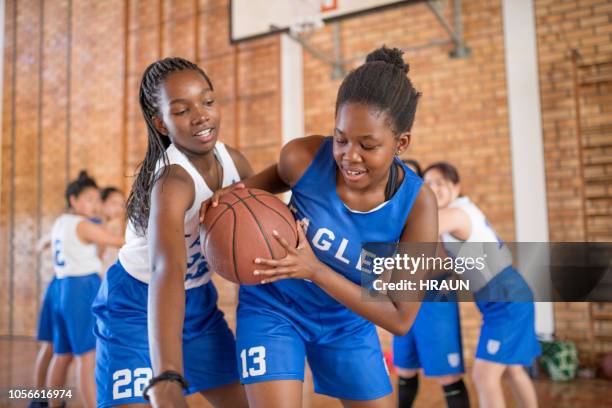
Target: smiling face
(87,203)
(364,146)
(188,112)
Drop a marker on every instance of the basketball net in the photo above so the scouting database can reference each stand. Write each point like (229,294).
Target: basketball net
(308,17)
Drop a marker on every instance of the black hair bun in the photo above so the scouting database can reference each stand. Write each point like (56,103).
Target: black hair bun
(390,56)
(83,175)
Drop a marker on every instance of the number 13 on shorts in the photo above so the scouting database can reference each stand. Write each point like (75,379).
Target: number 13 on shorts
(253,361)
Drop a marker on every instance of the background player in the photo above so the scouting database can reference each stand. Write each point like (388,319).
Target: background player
(507,337)
(45,318)
(433,344)
(44,337)
(77,267)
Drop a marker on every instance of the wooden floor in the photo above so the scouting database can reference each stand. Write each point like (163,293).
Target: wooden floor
(17,361)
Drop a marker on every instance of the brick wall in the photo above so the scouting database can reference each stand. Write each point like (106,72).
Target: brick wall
(71,78)
(562,26)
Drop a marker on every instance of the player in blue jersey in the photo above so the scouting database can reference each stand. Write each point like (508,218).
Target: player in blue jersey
(74,241)
(44,337)
(347,189)
(507,337)
(158,325)
(433,344)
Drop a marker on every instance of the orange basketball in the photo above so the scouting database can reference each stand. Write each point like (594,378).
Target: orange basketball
(240,229)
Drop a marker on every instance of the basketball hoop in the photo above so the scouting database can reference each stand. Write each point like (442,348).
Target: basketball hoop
(304,26)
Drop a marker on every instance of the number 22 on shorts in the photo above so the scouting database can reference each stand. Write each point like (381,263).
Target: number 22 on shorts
(257,357)
(124,387)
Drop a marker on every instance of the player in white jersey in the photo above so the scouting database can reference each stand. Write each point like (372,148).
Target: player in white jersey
(507,337)
(159,330)
(74,241)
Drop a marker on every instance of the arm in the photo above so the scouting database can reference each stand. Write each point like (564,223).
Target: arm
(43,243)
(392,315)
(295,158)
(454,221)
(171,196)
(92,233)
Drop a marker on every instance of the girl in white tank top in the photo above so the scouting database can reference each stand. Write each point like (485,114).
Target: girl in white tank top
(161,275)
(460,220)
(75,239)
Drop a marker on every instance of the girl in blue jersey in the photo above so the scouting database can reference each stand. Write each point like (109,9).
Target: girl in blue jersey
(347,189)
(433,344)
(74,242)
(507,337)
(158,325)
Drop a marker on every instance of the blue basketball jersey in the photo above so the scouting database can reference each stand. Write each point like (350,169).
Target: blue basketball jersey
(335,232)
(282,323)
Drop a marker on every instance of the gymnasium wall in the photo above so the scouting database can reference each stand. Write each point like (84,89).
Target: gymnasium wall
(584,25)
(53,127)
(71,80)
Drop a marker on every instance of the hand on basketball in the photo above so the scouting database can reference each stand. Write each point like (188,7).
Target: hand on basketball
(214,200)
(300,262)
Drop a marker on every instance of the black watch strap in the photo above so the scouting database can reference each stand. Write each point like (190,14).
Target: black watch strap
(168,375)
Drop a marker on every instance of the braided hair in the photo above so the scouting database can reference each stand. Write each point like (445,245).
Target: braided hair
(76,187)
(382,82)
(139,200)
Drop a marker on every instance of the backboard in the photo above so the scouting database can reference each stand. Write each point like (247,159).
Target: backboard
(255,18)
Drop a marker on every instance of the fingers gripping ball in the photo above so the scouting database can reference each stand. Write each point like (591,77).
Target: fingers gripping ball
(239,229)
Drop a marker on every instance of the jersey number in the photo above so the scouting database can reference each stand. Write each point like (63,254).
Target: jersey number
(259,359)
(58,258)
(123,378)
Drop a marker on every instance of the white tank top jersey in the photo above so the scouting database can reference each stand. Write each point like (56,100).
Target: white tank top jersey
(71,256)
(134,255)
(483,240)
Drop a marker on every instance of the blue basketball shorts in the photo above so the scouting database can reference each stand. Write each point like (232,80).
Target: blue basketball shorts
(123,366)
(507,335)
(45,319)
(73,321)
(433,342)
(343,350)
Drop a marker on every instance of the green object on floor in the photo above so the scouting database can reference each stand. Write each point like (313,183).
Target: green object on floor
(560,358)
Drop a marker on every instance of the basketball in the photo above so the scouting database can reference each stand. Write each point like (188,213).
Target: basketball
(239,229)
